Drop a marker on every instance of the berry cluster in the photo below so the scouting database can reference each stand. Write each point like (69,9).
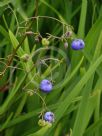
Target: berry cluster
(76,44)
(45,85)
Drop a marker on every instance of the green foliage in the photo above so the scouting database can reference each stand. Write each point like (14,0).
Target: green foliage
(24,62)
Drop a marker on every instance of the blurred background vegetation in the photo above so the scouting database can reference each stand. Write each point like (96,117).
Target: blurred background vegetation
(76,101)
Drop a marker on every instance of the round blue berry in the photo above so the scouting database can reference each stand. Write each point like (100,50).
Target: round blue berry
(77,44)
(46,86)
(49,116)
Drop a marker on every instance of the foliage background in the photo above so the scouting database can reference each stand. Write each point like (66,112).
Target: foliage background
(77,75)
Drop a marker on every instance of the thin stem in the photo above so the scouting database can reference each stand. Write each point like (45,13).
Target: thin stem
(47,17)
(52,36)
(37,21)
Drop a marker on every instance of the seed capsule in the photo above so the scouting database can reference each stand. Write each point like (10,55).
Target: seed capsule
(68,34)
(65,45)
(45,42)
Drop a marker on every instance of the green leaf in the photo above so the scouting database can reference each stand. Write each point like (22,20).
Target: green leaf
(15,44)
(81,29)
(77,89)
(42,131)
(4,3)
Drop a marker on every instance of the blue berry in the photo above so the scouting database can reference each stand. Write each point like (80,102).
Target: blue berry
(77,44)
(49,116)
(46,86)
